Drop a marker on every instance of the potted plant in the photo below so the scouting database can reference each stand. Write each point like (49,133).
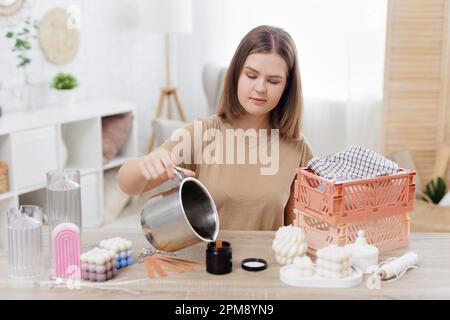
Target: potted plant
(435,190)
(65,83)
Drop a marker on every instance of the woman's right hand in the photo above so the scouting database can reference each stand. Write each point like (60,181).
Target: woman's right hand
(159,165)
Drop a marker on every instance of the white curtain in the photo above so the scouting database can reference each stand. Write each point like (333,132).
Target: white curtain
(330,126)
(341,48)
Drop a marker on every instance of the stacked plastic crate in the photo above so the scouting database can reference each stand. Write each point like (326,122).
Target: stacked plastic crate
(333,212)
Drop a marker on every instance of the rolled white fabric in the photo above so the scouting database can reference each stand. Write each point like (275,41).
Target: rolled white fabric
(398,266)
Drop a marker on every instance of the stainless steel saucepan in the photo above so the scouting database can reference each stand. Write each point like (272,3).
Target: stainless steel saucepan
(180,216)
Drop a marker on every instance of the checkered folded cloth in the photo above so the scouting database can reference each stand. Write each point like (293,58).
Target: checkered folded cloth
(355,162)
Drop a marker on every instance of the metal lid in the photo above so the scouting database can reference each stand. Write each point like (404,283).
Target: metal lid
(254,264)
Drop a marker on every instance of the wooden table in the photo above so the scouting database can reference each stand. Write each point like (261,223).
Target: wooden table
(430,281)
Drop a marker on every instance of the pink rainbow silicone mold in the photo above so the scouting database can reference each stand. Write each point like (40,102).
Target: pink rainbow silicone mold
(66,250)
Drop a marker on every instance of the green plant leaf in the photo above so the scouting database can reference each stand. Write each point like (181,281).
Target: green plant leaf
(19,43)
(25,61)
(9,34)
(428,189)
(433,186)
(440,183)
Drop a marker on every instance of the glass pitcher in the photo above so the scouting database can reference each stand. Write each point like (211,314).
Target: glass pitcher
(25,251)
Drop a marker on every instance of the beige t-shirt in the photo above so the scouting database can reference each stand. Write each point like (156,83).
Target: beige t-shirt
(245,198)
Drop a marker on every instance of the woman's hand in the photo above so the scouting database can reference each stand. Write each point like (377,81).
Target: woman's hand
(159,165)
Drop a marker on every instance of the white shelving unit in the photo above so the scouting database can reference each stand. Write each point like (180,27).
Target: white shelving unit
(31,144)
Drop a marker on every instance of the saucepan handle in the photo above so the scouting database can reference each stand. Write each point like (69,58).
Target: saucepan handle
(179,173)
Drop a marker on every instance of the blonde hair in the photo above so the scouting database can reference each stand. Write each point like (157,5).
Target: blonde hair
(286,116)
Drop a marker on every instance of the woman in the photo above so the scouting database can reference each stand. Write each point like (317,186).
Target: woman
(262,93)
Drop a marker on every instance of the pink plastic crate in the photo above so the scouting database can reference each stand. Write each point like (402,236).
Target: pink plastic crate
(387,232)
(354,200)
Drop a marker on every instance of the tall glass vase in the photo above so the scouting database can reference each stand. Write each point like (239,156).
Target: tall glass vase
(63,199)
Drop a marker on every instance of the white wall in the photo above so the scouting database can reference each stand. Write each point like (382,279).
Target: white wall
(116,60)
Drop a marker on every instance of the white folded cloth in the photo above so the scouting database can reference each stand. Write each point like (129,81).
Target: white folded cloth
(355,162)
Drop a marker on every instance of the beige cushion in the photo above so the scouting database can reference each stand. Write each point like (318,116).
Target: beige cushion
(115,131)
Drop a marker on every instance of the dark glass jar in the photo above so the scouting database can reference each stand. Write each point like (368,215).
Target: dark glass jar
(218,257)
